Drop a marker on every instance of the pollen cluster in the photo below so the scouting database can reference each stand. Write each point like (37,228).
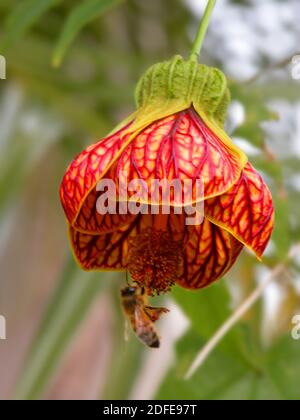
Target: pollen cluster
(154,260)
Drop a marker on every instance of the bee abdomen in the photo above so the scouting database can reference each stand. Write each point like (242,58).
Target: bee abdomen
(155,343)
(150,339)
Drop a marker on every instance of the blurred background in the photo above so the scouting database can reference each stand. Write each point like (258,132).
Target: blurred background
(71,70)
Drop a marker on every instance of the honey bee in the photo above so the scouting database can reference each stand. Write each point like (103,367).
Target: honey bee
(140,315)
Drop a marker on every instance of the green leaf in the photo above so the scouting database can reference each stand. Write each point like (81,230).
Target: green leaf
(208,309)
(282,235)
(23,16)
(65,312)
(223,377)
(283,367)
(216,376)
(79,17)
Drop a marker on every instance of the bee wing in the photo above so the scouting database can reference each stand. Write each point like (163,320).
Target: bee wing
(144,328)
(141,320)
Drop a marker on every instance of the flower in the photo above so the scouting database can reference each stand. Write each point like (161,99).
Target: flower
(176,133)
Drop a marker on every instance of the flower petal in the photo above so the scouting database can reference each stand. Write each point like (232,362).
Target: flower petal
(87,168)
(210,252)
(101,252)
(182,147)
(91,221)
(246,211)
(110,251)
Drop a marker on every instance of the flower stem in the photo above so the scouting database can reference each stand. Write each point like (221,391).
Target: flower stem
(202,29)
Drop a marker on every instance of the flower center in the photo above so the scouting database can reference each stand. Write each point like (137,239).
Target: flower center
(154,260)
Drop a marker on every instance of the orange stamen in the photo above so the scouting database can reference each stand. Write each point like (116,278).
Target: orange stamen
(155,260)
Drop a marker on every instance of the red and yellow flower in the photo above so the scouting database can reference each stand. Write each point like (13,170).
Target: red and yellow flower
(176,133)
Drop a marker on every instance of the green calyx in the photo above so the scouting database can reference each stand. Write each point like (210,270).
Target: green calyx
(178,84)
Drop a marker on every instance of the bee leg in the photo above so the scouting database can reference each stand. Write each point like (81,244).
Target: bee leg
(154,313)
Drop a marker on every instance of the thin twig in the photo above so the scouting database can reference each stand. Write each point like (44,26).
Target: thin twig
(239,312)
(272,66)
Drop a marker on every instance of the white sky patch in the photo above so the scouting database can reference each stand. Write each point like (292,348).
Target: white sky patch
(246,146)
(244,37)
(284,135)
(294,182)
(235,116)
(270,249)
(272,297)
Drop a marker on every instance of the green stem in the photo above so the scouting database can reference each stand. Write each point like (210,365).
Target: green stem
(202,29)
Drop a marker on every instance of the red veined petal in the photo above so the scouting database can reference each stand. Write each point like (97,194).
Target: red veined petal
(101,252)
(246,210)
(110,251)
(181,147)
(210,252)
(91,221)
(87,168)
